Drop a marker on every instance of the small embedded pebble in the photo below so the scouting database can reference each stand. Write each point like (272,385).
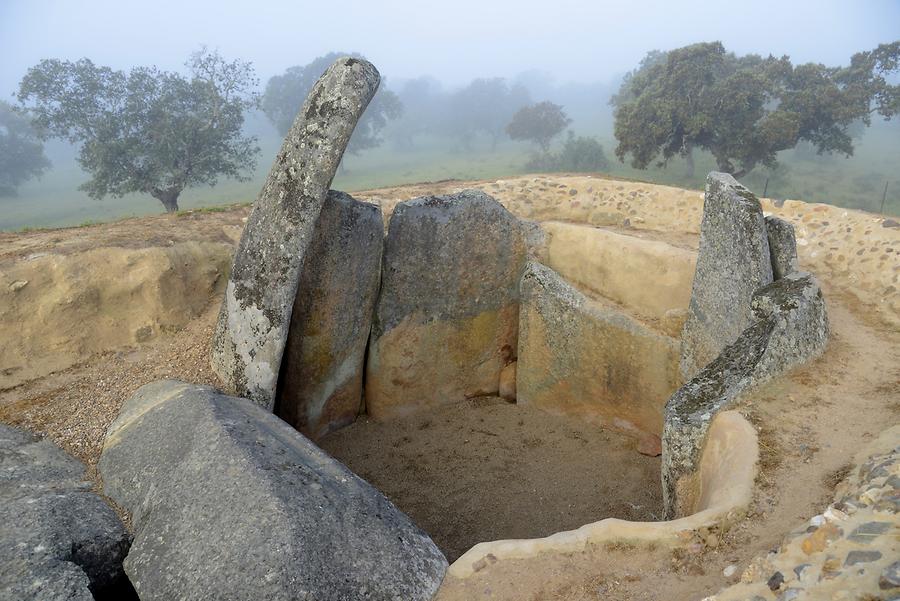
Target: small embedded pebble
(890,577)
(775,581)
(855,557)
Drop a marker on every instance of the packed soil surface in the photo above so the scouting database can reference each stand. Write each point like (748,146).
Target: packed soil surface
(487,469)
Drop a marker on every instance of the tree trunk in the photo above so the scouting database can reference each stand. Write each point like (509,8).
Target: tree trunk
(168,198)
(689,159)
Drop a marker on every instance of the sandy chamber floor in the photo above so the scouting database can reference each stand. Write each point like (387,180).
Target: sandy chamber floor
(487,469)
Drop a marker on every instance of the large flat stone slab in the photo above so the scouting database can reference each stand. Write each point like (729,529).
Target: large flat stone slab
(649,277)
(58,540)
(447,315)
(253,324)
(229,502)
(322,369)
(576,356)
(732,262)
(789,328)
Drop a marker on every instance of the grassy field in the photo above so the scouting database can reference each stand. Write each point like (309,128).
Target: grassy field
(856,182)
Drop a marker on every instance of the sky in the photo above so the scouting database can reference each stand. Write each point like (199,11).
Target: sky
(452,40)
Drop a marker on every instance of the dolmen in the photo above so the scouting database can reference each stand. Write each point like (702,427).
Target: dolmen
(325,317)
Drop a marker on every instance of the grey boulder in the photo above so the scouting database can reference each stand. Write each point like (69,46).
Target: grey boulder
(250,334)
(789,328)
(58,540)
(732,262)
(231,503)
(321,382)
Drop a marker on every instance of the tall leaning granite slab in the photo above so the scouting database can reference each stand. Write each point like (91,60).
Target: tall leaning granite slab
(321,380)
(58,540)
(250,334)
(789,328)
(732,262)
(229,502)
(447,316)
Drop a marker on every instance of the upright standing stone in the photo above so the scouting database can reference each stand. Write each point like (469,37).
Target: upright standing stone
(322,368)
(733,261)
(782,247)
(253,323)
(789,327)
(447,317)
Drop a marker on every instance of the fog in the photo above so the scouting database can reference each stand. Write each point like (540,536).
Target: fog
(454,41)
(573,53)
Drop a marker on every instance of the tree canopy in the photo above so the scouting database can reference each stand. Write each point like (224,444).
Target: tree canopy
(21,152)
(286,93)
(538,123)
(147,130)
(744,110)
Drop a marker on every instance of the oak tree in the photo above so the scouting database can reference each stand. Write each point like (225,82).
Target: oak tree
(21,152)
(147,131)
(538,123)
(744,110)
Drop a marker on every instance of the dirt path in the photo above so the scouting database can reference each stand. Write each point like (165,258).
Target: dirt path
(487,469)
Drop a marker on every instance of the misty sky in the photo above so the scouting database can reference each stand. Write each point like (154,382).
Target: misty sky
(453,40)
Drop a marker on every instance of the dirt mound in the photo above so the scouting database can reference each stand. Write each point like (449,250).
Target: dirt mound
(57,310)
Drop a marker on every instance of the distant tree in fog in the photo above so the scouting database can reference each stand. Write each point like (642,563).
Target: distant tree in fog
(21,152)
(744,110)
(538,123)
(484,106)
(147,130)
(424,107)
(286,93)
(582,154)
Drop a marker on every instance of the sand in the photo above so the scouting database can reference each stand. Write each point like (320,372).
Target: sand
(487,469)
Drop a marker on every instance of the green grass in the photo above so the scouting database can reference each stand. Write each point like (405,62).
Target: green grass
(857,182)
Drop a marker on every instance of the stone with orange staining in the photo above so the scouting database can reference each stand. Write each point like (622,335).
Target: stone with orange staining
(508,382)
(448,314)
(322,368)
(820,539)
(632,368)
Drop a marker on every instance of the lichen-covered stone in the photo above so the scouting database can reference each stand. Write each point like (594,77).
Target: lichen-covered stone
(253,323)
(58,540)
(790,327)
(782,246)
(323,363)
(579,357)
(228,502)
(733,261)
(447,315)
